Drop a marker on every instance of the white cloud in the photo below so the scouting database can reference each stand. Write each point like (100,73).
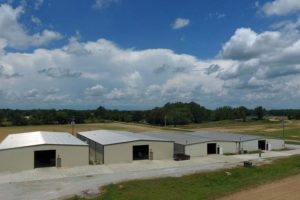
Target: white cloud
(95,90)
(281,7)
(103,3)
(35,20)
(180,23)
(217,15)
(250,66)
(15,35)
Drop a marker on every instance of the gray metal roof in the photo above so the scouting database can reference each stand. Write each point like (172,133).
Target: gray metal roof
(107,137)
(221,136)
(179,138)
(39,138)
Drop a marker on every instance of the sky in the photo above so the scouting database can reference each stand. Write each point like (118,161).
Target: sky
(133,54)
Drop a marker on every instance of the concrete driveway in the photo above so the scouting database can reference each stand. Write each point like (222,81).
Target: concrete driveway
(53,183)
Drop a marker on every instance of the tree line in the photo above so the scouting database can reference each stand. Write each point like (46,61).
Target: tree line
(170,114)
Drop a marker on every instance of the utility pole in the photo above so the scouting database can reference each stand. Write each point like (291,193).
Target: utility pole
(73,124)
(283,126)
(165,121)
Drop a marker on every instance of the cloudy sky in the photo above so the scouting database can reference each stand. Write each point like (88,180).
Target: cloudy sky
(133,54)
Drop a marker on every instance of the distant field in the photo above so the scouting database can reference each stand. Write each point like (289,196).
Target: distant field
(271,129)
(266,128)
(4,131)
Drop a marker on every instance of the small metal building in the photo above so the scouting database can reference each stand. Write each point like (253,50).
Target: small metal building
(243,142)
(24,151)
(107,146)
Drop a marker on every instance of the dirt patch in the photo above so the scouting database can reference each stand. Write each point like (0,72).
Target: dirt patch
(285,189)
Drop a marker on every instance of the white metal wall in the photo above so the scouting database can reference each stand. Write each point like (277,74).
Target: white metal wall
(251,145)
(276,143)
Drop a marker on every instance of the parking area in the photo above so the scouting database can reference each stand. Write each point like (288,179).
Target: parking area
(53,183)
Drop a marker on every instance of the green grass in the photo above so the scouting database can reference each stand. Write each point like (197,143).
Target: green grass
(293,142)
(208,185)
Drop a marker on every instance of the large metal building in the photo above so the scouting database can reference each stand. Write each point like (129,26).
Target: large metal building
(31,150)
(203,143)
(242,142)
(107,147)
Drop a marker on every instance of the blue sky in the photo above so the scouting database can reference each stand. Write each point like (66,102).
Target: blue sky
(133,54)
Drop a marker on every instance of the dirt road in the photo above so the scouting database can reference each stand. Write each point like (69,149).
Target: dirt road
(285,189)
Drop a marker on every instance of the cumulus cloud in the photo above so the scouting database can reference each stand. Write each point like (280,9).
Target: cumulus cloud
(7,75)
(127,76)
(31,94)
(281,7)
(251,68)
(95,90)
(59,72)
(180,23)
(15,35)
(262,63)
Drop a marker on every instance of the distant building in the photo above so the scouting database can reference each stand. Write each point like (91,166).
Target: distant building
(203,143)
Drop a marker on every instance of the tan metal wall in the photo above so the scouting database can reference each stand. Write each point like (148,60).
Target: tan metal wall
(228,147)
(23,158)
(122,153)
(195,150)
(250,145)
(200,149)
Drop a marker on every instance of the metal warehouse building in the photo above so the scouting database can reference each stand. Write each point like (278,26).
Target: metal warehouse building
(187,144)
(107,147)
(208,142)
(234,143)
(31,150)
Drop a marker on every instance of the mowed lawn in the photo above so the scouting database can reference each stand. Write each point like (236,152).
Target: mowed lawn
(210,185)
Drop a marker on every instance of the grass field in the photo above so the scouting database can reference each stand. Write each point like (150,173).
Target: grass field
(209,185)
(265,128)
(270,129)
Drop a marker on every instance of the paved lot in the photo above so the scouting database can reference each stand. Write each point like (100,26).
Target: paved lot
(52,183)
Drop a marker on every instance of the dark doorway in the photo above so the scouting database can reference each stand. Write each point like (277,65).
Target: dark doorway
(211,148)
(44,158)
(141,152)
(262,144)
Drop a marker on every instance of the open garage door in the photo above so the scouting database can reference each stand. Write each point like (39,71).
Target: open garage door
(141,152)
(45,158)
(212,148)
(262,144)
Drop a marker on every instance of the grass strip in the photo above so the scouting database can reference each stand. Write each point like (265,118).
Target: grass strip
(208,185)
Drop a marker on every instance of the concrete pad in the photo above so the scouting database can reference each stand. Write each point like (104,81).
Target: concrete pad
(53,183)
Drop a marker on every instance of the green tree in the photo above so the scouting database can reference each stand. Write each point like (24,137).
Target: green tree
(260,112)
